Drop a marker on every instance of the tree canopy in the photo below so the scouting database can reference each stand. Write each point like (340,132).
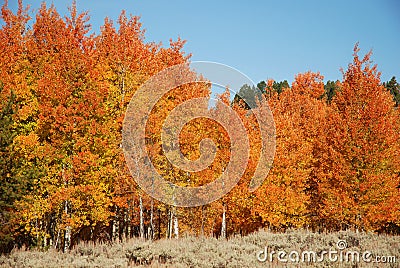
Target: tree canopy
(63,177)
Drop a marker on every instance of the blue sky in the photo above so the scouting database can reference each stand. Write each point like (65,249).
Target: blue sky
(265,39)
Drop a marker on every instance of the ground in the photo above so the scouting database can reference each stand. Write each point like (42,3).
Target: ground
(246,251)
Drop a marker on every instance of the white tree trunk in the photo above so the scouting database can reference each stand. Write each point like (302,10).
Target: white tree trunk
(123,229)
(151,236)
(141,218)
(44,241)
(170,220)
(67,236)
(176,227)
(115,226)
(202,221)
(57,239)
(128,227)
(223,225)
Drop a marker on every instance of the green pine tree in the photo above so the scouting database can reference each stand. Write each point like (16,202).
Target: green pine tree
(331,88)
(248,96)
(7,163)
(16,176)
(394,89)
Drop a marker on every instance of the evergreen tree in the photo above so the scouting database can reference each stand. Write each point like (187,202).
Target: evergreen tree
(394,88)
(249,95)
(280,86)
(261,86)
(331,88)
(10,188)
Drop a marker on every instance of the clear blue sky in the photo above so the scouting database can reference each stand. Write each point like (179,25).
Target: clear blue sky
(265,39)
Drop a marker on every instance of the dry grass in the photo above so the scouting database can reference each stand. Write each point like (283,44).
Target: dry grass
(209,252)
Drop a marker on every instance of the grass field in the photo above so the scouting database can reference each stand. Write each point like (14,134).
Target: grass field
(234,252)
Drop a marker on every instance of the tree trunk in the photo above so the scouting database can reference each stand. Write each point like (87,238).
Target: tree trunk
(223,225)
(124,219)
(202,221)
(44,241)
(151,236)
(57,239)
(115,226)
(141,218)
(37,233)
(176,227)
(170,220)
(159,224)
(129,219)
(67,234)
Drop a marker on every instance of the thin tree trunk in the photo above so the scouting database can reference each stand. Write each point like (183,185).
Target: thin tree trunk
(44,241)
(151,220)
(176,226)
(113,230)
(123,227)
(37,232)
(141,218)
(170,223)
(57,239)
(167,229)
(202,221)
(159,224)
(115,226)
(128,224)
(67,234)
(223,225)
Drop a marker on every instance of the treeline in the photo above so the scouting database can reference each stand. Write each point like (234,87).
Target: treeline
(63,177)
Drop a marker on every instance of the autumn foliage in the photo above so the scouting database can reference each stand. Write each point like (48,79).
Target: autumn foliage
(63,177)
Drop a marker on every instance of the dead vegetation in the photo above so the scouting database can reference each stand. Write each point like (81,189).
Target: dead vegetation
(210,252)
